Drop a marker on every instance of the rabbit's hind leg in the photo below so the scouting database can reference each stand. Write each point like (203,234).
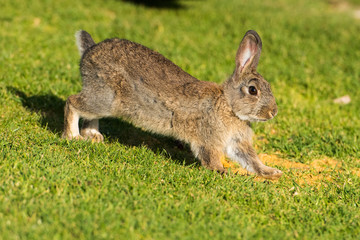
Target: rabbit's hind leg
(79,106)
(90,130)
(71,120)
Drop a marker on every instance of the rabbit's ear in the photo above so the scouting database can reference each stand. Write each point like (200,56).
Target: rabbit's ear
(249,52)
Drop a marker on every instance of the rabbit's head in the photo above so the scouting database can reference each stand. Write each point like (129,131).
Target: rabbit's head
(247,92)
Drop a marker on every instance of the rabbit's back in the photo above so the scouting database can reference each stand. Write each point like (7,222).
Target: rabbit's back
(136,63)
(144,87)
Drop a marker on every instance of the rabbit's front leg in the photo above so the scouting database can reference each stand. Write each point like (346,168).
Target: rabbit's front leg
(210,157)
(243,153)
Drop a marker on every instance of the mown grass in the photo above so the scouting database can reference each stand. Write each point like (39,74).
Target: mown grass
(142,186)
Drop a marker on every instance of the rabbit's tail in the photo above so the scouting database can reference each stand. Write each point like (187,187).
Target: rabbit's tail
(83,41)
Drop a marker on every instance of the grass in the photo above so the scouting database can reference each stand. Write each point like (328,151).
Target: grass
(142,186)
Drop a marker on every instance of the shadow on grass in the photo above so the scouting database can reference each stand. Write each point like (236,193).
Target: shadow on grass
(168,4)
(51,109)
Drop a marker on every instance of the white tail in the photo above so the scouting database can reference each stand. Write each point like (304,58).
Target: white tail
(83,41)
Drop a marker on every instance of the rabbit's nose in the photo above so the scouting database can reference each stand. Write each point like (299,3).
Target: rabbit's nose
(272,113)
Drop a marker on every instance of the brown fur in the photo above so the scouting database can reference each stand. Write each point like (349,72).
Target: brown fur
(125,79)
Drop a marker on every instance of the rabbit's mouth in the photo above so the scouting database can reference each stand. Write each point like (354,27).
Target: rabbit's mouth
(261,120)
(252,118)
(256,119)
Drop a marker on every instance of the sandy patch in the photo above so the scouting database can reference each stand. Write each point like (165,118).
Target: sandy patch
(235,168)
(344,6)
(357,14)
(318,172)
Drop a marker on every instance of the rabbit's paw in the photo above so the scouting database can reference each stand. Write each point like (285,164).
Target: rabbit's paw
(93,135)
(72,137)
(270,173)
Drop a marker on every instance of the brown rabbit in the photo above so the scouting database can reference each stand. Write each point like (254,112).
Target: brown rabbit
(125,79)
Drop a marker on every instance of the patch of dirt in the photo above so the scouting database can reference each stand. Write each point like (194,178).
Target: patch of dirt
(234,167)
(345,6)
(357,14)
(318,172)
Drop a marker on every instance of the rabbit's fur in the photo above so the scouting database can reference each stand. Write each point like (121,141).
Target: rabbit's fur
(125,79)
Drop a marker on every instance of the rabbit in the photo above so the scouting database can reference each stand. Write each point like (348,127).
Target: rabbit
(128,80)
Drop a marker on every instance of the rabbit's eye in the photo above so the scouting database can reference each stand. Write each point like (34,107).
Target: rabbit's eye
(252,90)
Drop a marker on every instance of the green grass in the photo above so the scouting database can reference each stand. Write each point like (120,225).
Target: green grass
(138,185)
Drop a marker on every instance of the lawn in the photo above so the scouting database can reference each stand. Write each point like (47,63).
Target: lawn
(138,185)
